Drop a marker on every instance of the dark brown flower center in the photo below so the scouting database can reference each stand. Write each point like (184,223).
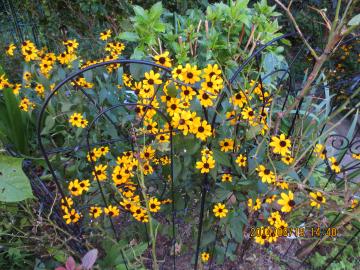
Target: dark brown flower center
(291,203)
(266,171)
(162,60)
(282,143)
(190,75)
(201,129)
(150,81)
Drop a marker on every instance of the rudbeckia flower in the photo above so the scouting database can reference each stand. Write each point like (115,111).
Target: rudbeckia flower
(163,59)
(317,199)
(105,35)
(112,211)
(226,145)
(206,164)
(71,216)
(334,165)
(241,160)
(205,257)
(190,74)
(154,205)
(280,145)
(220,211)
(265,174)
(95,211)
(287,201)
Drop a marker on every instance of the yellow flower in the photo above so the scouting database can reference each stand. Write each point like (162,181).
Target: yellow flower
(74,188)
(201,129)
(265,174)
(163,59)
(95,211)
(263,237)
(10,49)
(226,177)
(176,72)
(354,203)
(205,98)
(103,150)
(93,155)
(163,137)
(212,85)
(281,224)
(270,199)
(27,76)
(205,257)
(287,201)
(356,156)
(220,211)
(40,89)
(274,217)
(105,35)
(334,165)
(150,127)
(280,145)
(207,152)
(174,106)
(181,121)
(273,236)
(147,168)
(154,205)
(254,206)
(287,159)
(248,113)
(112,211)
(211,70)
(317,199)
(100,172)
(238,99)
(320,150)
(66,202)
(71,216)
(226,145)
(241,160)
(75,119)
(84,185)
(71,45)
(151,79)
(206,164)
(190,74)
(282,184)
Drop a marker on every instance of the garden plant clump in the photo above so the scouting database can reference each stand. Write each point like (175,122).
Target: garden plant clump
(186,143)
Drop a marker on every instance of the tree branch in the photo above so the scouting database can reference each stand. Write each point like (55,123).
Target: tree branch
(292,19)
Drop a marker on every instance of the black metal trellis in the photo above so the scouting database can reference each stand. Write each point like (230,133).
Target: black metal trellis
(102,113)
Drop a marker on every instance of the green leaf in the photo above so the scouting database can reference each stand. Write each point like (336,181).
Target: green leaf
(171,90)
(253,131)
(14,184)
(222,158)
(207,238)
(128,36)
(355,20)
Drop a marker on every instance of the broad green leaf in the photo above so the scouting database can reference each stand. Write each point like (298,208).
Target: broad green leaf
(355,20)
(128,36)
(222,158)
(253,131)
(14,184)
(171,90)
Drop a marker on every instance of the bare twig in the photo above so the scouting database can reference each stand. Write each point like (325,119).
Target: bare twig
(292,19)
